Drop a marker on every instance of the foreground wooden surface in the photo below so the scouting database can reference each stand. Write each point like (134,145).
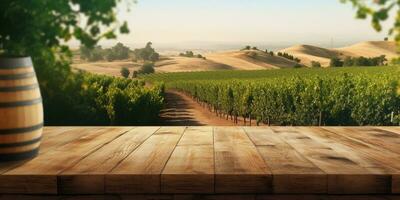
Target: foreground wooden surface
(211,161)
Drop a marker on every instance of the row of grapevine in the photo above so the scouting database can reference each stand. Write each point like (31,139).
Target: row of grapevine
(340,99)
(103,100)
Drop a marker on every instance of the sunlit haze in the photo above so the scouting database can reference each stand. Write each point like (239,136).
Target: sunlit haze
(224,24)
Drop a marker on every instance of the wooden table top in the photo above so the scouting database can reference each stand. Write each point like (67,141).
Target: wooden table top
(210,160)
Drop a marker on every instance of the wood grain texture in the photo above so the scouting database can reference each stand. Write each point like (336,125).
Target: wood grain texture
(48,165)
(345,176)
(239,168)
(292,173)
(387,158)
(374,136)
(87,176)
(191,166)
(140,172)
(209,163)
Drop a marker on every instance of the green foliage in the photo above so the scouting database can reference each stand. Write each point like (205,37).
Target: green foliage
(201,56)
(343,96)
(288,56)
(379,11)
(188,54)
(43,25)
(359,61)
(147,68)
(102,100)
(92,55)
(147,53)
(315,64)
(125,72)
(271,53)
(297,65)
(117,52)
(336,62)
(246,48)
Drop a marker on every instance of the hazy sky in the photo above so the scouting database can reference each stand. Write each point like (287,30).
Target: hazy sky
(241,21)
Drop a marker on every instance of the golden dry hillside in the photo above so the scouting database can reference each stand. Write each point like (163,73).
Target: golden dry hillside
(246,59)
(308,53)
(106,68)
(185,64)
(371,49)
(250,60)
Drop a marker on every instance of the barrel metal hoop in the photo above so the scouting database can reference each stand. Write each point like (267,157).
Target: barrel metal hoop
(21,130)
(19,156)
(19,144)
(17,76)
(20,103)
(19,88)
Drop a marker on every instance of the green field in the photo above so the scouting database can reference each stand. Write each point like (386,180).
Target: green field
(333,96)
(264,74)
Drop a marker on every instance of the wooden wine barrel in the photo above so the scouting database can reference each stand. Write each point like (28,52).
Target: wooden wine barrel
(21,110)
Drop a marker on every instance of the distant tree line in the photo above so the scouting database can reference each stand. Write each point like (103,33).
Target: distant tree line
(248,47)
(288,56)
(147,53)
(271,53)
(147,68)
(190,54)
(358,61)
(117,52)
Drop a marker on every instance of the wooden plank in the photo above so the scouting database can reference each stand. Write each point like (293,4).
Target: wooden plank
(336,143)
(374,136)
(140,172)
(41,172)
(64,138)
(394,129)
(87,176)
(345,176)
(55,131)
(238,166)
(191,166)
(292,173)
(197,136)
(387,158)
(382,155)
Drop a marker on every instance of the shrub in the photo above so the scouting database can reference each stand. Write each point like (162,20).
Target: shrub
(147,68)
(246,48)
(315,64)
(271,53)
(336,62)
(134,74)
(298,65)
(124,72)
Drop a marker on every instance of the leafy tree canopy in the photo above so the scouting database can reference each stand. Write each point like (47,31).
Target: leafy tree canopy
(379,11)
(147,53)
(30,26)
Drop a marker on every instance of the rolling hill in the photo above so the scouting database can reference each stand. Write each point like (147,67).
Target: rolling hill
(247,59)
(308,53)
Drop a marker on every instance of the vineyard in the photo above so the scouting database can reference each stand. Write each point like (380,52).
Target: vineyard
(88,99)
(335,96)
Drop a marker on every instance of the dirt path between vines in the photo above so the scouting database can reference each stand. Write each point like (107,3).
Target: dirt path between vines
(182,110)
